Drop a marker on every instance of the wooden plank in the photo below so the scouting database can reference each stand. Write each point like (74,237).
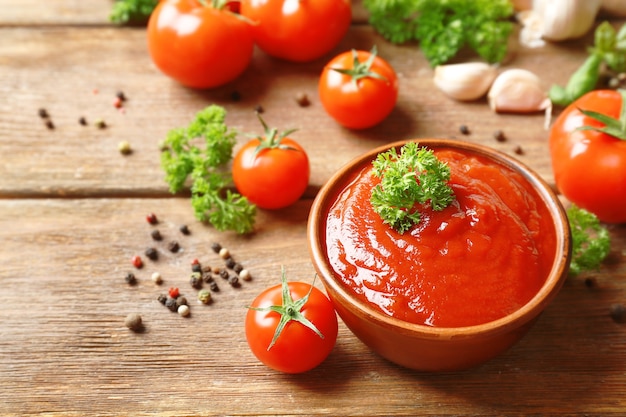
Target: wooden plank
(64,349)
(83,160)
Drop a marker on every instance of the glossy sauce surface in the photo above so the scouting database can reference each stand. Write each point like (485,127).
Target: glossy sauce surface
(478,260)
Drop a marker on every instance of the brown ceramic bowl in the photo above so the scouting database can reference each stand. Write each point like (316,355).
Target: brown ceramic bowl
(419,346)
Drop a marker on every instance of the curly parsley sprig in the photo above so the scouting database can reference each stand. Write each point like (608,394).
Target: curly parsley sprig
(409,179)
(132,11)
(182,158)
(591,242)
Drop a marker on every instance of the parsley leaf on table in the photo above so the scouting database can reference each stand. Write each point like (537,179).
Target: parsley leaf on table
(444,27)
(591,242)
(132,11)
(182,158)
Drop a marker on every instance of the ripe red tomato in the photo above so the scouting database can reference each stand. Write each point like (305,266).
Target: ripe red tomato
(358,89)
(298,30)
(297,347)
(272,172)
(199,45)
(590,166)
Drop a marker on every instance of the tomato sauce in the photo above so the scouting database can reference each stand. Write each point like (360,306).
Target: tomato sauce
(480,259)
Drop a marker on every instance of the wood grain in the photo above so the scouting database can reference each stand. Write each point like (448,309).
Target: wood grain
(72,214)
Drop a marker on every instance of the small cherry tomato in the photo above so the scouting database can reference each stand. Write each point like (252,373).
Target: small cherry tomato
(588,151)
(199,44)
(358,89)
(291,327)
(298,30)
(271,171)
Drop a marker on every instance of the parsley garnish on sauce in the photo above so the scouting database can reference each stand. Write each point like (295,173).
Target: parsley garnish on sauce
(408,180)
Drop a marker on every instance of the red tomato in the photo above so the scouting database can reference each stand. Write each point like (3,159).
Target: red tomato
(272,172)
(298,30)
(297,347)
(362,93)
(199,46)
(590,166)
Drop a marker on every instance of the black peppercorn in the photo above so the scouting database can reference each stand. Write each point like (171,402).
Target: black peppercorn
(173,246)
(130,279)
(184,229)
(464,129)
(233,280)
(196,268)
(235,96)
(208,278)
(82,121)
(43,113)
(196,280)
(237,267)
(618,313)
(162,298)
(213,286)
(518,150)
(216,247)
(230,263)
(181,301)
(224,274)
(152,254)
(170,303)
(120,95)
(499,136)
(156,235)
(49,124)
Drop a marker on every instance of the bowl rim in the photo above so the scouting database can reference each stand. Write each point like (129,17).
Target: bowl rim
(526,313)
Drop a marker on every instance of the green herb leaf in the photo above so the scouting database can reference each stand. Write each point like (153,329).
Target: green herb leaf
(409,179)
(132,11)
(184,160)
(591,242)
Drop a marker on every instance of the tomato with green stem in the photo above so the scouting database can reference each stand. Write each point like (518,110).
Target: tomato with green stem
(298,30)
(199,43)
(271,171)
(358,89)
(588,152)
(291,327)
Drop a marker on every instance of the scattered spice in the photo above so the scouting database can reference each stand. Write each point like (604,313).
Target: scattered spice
(170,303)
(156,277)
(100,124)
(204,296)
(117,103)
(184,310)
(181,301)
(184,229)
(130,279)
(216,247)
(162,298)
(237,267)
(43,113)
(196,268)
(137,261)
(208,278)
(173,246)
(134,322)
(245,275)
(213,286)
(464,130)
(235,96)
(49,124)
(230,263)
(174,292)
(124,147)
(121,96)
(233,280)
(224,274)
(152,218)
(224,253)
(196,280)
(618,312)
(518,150)
(303,100)
(82,121)
(151,253)
(499,136)
(156,235)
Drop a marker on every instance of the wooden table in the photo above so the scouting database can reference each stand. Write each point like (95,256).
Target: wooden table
(72,214)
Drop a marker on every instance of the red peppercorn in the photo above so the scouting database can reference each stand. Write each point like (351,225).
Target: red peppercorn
(152,218)
(137,261)
(195,261)
(174,292)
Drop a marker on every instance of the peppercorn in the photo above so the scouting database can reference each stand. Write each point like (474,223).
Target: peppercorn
(230,263)
(590,282)
(237,267)
(156,235)
(184,310)
(233,280)
(464,130)
(204,296)
(303,100)
(173,246)
(137,261)
(224,253)
(152,218)
(170,303)
(245,275)
(152,254)
(117,103)
(49,124)
(82,121)
(196,268)
(184,229)
(181,301)
(208,278)
(213,286)
(174,292)
(216,247)
(133,322)
(196,280)
(518,150)
(224,274)
(130,278)
(120,95)
(499,136)
(100,124)
(124,147)
(259,109)
(235,96)
(43,113)
(618,312)
(162,298)
(156,277)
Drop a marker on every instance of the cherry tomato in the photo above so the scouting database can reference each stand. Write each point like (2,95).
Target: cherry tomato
(589,165)
(298,30)
(310,327)
(358,89)
(273,171)
(199,46)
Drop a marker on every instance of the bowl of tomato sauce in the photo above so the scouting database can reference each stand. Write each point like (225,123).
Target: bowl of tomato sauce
(462,285)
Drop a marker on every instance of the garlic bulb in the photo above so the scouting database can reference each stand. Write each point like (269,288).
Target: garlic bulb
(557,20)
(466,81)
(518,91)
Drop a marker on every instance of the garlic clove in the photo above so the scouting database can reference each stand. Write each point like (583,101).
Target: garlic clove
(558,20)
(518,91)
(466,81)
